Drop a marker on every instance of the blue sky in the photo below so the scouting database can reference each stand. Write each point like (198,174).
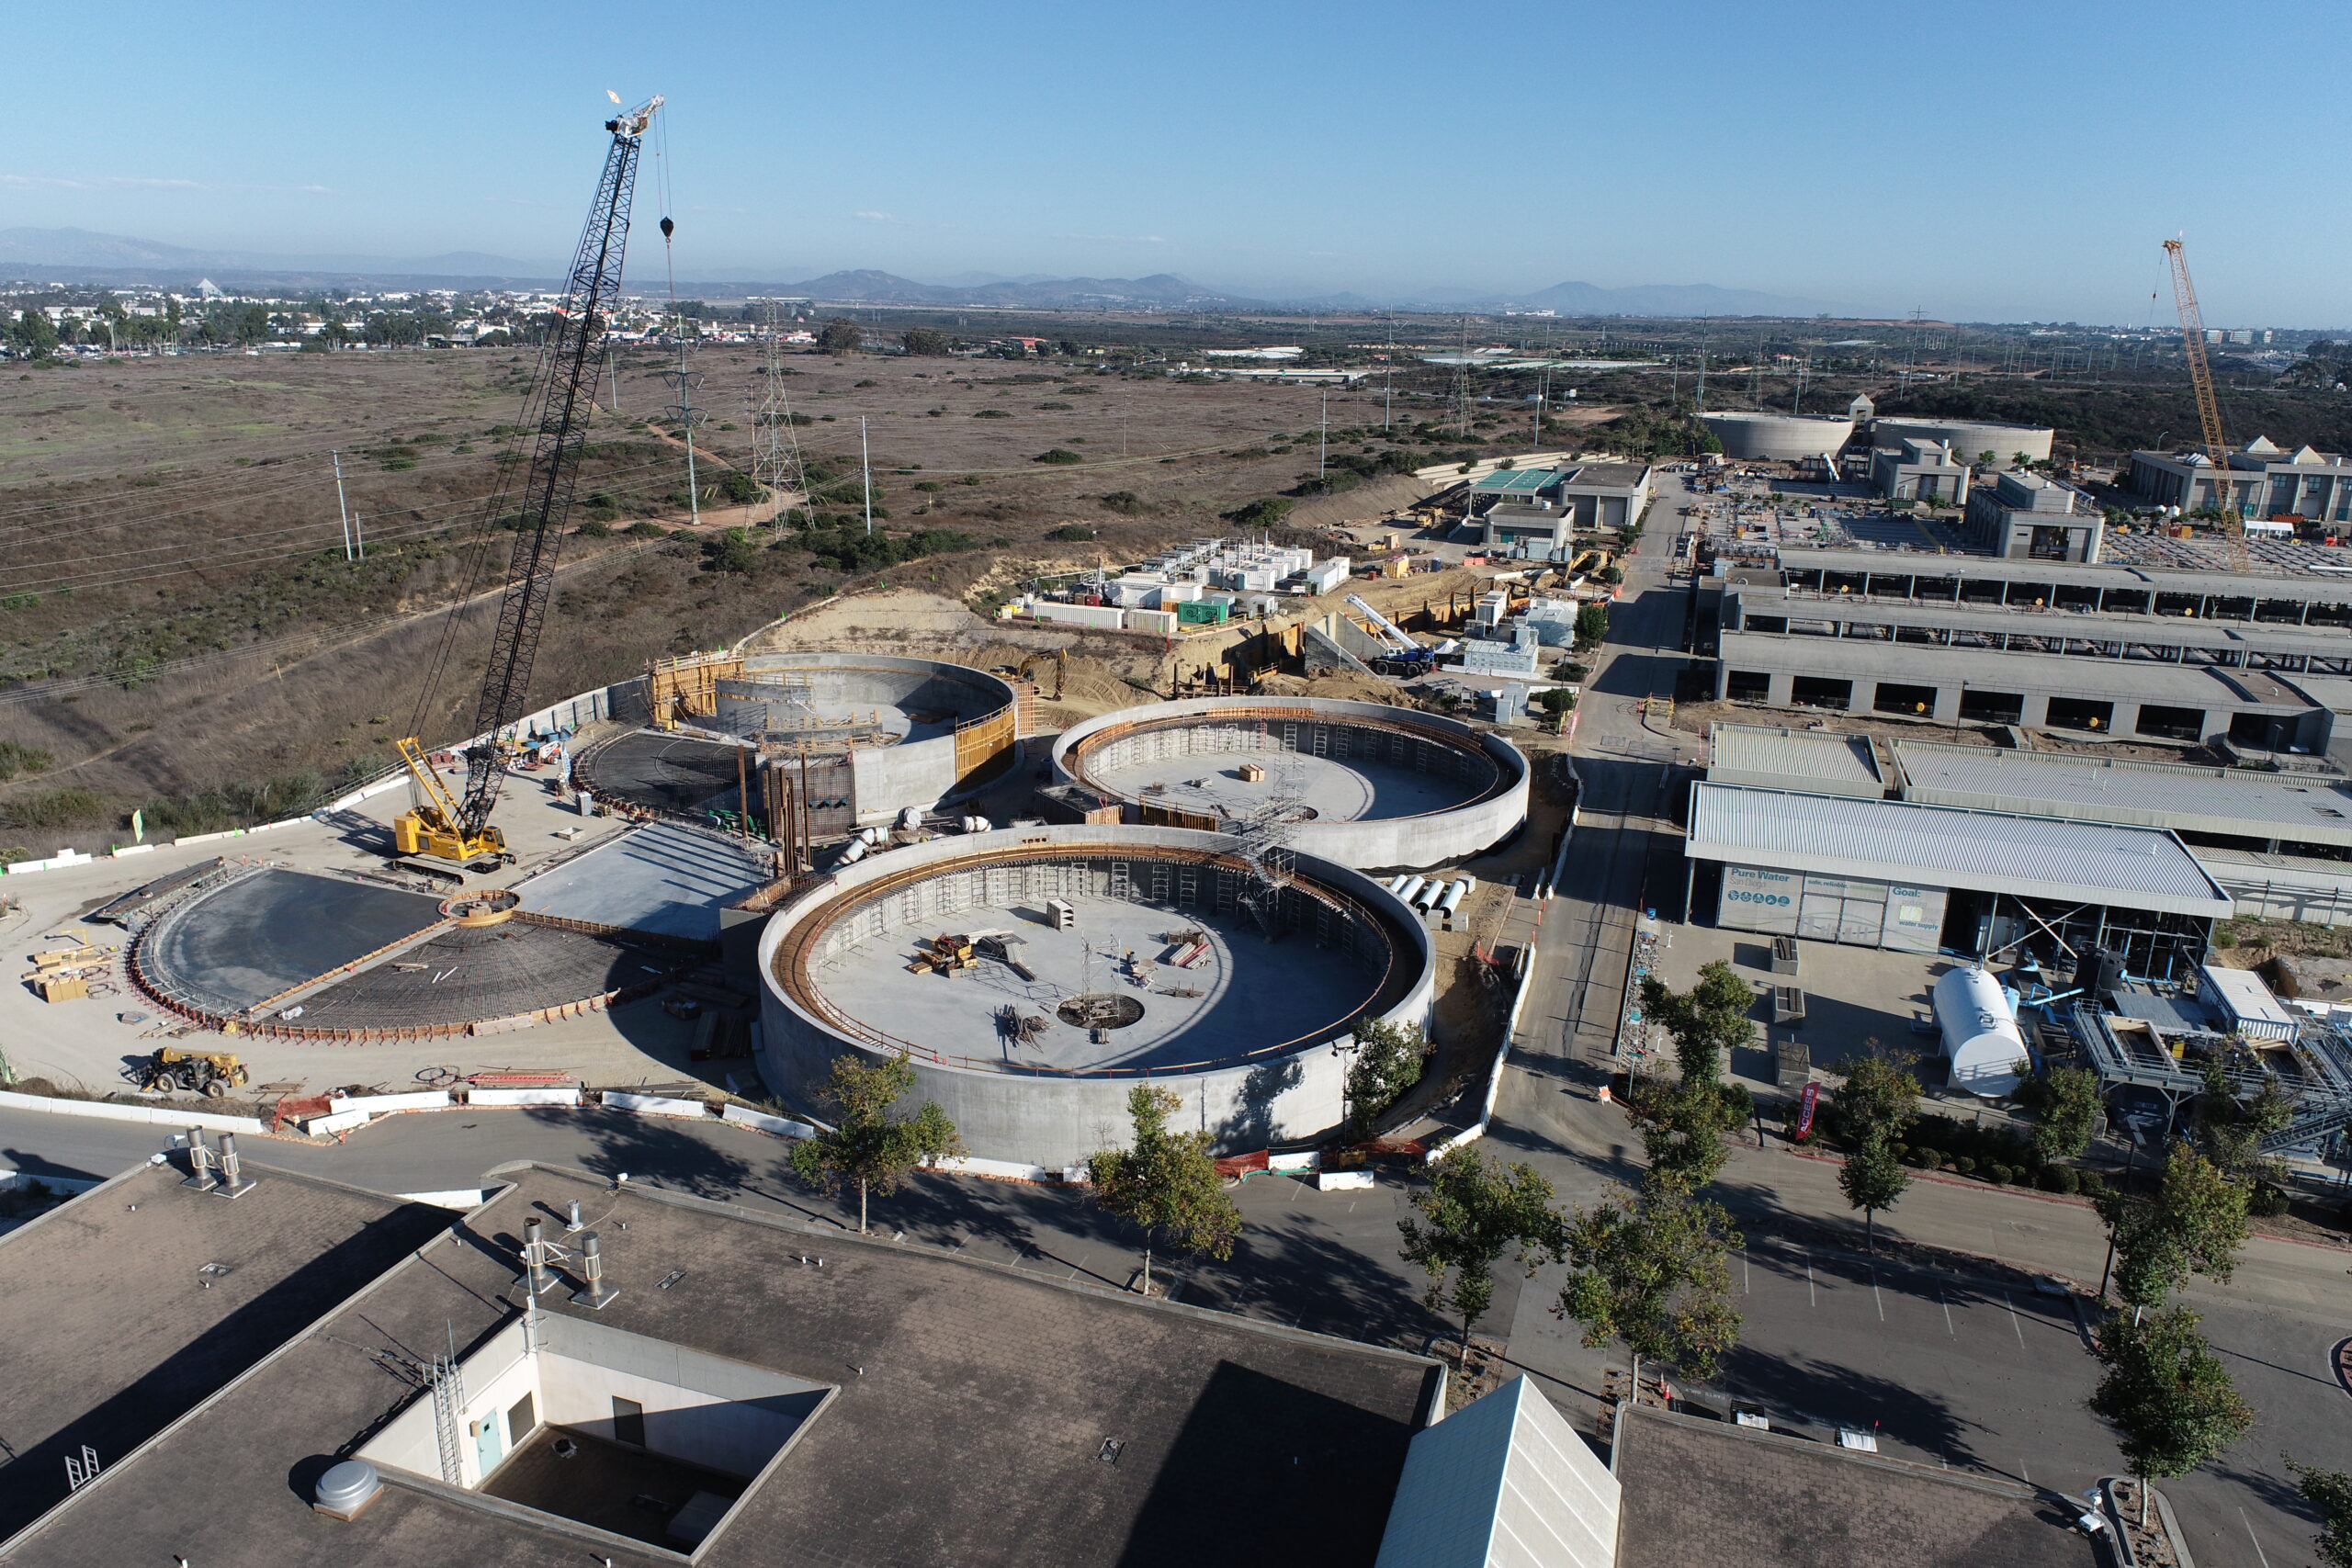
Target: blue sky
(1980,161)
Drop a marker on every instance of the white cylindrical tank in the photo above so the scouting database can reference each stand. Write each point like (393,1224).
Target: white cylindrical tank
(1411,891)
(1425,897)
(911,817)
(1397,881)
(854,850)
(1980,1031)
(1451,899)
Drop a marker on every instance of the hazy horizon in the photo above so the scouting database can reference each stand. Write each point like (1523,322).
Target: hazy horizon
(2011,163)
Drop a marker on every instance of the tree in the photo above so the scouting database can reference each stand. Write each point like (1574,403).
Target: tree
(2231,1131)
(1388,1061)
(1707,1021)
(2065,1105)
(869,1145)
(839,337)
(1872,1107)
(2329,1492)
(1473,1212)
(926,341)
(1684,1124)
(1650,1272)
(2167,1396)
(2194,1224)
(1165,1184)
(1591,626)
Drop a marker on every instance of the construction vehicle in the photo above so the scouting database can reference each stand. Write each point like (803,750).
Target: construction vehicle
(2209,407)
(943,955)
(1059,657)
(447,834)
(210,1073)
(1404,658)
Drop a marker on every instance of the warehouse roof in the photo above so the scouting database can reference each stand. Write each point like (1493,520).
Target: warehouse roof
(982,1413)
(2152,794)
(2095,626)
(1936,846)
(1773,757)
(1979,669)
(1921,563)
(1516,481)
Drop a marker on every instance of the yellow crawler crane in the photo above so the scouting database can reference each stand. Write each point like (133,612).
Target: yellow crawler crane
(436,827)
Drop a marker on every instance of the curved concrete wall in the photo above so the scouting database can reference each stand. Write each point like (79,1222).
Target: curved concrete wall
(921,771)
(1778,437)
(1057,1120)
(1969,437)
(1394,844)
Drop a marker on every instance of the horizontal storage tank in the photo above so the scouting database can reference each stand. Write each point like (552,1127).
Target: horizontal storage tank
(1778,437)
(1411,892)
(1980,1031)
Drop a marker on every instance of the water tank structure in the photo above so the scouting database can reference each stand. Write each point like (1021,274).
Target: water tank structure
(1033,976)
(1970,439)
(1363,783)
(1980,1031)
(1777,438)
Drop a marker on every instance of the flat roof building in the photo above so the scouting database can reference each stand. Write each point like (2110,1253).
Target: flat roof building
(1923,878)
(1536,512)
(1916,469)
(1820,761)
(2265,480)
(2023,516)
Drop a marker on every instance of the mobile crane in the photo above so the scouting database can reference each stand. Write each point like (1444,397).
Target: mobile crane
(443,827)
(2209,407)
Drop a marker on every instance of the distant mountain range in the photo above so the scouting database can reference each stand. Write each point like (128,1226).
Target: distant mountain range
(80,256)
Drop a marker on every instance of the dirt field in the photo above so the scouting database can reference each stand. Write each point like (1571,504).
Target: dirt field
(177,619)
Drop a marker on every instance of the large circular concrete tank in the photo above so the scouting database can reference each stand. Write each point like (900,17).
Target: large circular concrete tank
(1970,439)
(1777,438)
(1980,1031)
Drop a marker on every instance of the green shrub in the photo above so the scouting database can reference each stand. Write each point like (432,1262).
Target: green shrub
(1999,1175)
(647,530)
(1071,532)
(1965,1165)
(1058,455)
(2058,1178)
(1125,503)
(2092,1182)
(15,757)
(992,413)
(594,528)
(2266,1202)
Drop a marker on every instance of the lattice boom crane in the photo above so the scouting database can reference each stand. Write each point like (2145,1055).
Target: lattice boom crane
(460,830)
(2209,407)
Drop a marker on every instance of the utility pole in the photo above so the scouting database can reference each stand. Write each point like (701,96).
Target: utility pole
(1323,438)
(865,467)
(342,505)
(687,417)
(359,537)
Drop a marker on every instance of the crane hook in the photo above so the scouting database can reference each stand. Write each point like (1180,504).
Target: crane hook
(668,229)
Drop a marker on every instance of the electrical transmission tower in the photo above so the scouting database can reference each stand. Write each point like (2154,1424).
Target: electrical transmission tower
(776,453)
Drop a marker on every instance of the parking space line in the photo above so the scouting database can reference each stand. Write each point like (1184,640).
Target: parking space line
(1812,1296)
(1947,1301)
(2013,1319)
(1744,1288)
(2260,1555)
(2023,1472)
(1876,1297)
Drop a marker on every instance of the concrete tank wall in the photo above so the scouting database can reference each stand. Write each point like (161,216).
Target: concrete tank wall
(1058,1120)
(920,770)
(1400,844)
(1778,437)
(1969,437)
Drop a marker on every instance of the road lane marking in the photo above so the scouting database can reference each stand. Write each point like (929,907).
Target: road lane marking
(1876,1297)
(1812,1296)
(1744,1288)
(1947,1301)
(2013,1319)
(2024,1472)
(2263,1556)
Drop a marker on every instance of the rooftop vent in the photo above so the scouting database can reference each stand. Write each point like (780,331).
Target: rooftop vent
(346,1488)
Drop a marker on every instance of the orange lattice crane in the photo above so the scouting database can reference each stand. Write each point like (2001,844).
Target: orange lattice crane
(2209,408)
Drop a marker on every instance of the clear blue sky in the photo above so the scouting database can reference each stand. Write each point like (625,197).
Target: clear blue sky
(1974,160)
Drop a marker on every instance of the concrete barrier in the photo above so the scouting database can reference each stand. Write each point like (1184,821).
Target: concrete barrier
(744,1116)
(121,849)
(376,1104)
(146,1115)
(521,1096)
(455,1198)
(333,1123)
(57,862)
(1310,1160)
(1007,1170)
(654,1105)
(1344,1180)
(13,1181)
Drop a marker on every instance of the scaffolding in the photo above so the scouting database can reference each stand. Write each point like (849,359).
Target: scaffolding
(2315,1069)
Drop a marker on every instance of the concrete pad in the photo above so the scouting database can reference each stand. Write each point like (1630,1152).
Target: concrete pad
(664,877)
(229,948)
(1254,993)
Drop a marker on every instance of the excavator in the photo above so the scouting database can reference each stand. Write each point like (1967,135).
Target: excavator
(445,834)
(1059,657)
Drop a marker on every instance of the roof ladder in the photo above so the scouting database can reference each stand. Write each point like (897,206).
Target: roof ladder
(449,1404)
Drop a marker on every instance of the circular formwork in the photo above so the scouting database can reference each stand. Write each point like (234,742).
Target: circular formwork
(1360,783)
(1187,968)
(883,733)
(1778,437)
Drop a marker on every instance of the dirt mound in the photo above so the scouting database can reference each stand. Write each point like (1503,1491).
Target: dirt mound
(1341,686)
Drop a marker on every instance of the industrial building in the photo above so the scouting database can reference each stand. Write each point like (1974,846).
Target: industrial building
(1917,470)
(2023,516)
(2265,481)
(1536,511)
(1779,437)
(1080,961)
(1916,878)
(2260,662)
(305,1377)
(1362,784)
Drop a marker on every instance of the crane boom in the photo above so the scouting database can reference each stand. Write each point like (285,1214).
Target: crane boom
(2209,407)
(441,828)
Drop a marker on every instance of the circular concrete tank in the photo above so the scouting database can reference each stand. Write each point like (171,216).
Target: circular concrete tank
(1970,439)
(1359,784)
(1180,966)
(876,734)
(1777,438)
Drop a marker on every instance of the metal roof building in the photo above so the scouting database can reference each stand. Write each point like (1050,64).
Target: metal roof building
(1917,878)
(2272,808)
(1771,757)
